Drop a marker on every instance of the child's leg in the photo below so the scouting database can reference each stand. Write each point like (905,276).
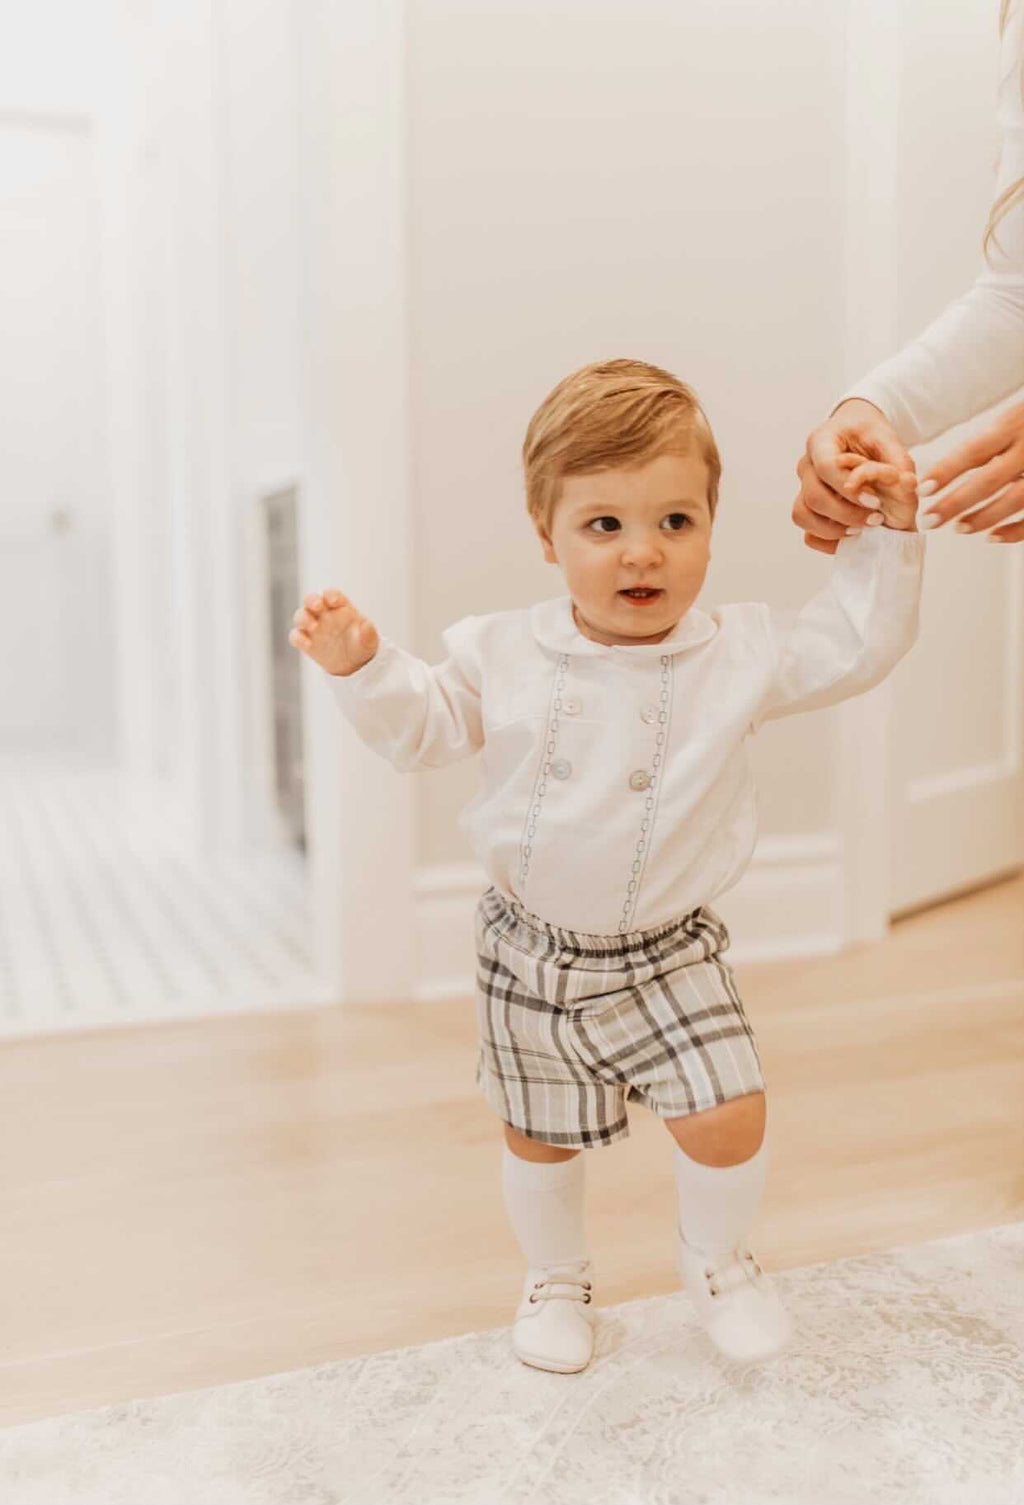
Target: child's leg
(720,1172)
(543,1191)
(720,1165)
(534,1149)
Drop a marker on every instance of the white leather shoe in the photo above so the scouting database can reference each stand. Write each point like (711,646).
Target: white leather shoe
(554,1323)
(735,1301)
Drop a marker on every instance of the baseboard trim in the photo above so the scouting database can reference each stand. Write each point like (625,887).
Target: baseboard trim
(787,904)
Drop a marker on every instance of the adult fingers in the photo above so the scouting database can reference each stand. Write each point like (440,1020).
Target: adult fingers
(981,486)
(825,446)
(819,504)
(976,451)
(1007,504)
(1012,533)
(815,524)
(823,545)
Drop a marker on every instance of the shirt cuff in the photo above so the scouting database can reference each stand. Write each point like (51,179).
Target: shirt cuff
(364,680)
(899,544)
(868,392)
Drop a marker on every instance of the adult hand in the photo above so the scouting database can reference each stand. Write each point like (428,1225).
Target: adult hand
(997,458)
(825,508)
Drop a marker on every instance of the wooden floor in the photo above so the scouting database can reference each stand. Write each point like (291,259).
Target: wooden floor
(190,1204)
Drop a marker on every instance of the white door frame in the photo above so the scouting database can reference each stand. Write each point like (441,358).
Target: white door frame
(873,62)
(355,516)
(355,510)
(167,162)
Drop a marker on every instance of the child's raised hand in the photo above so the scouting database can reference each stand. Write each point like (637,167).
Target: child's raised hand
(894,492)
(329,630)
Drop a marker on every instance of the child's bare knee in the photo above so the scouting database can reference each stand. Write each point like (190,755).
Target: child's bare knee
(726,1135)
(534,1149)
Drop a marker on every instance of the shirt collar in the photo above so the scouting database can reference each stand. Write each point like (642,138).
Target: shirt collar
(553,627)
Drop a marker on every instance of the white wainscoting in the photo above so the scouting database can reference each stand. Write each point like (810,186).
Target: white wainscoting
(788,903)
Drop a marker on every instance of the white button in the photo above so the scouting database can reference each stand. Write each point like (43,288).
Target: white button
(561,769)
(640,780)
(573,707)
(649,714)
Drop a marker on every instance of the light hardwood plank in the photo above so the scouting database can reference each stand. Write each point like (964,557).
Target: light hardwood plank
(195,1203)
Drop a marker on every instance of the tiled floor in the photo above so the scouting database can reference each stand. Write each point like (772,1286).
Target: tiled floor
(105,917)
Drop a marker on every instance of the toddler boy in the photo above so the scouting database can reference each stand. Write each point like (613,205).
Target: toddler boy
(616,803)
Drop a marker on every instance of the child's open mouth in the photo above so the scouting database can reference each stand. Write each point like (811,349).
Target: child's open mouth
(641,598)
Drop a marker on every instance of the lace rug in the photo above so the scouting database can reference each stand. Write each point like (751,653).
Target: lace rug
(905,1383)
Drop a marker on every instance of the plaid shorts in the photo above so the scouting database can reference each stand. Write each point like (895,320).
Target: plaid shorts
(572,1025)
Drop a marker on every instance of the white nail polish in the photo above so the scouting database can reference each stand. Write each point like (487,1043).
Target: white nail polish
(930,520)
(927,487)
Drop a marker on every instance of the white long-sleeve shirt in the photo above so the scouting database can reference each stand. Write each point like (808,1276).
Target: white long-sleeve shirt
(616,792)
(972,354)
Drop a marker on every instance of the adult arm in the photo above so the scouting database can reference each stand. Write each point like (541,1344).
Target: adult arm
(969,357)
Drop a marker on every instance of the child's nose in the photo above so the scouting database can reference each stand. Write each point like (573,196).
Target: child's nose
(642,549)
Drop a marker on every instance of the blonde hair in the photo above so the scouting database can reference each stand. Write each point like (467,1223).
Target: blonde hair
(1014,194)
(608,415)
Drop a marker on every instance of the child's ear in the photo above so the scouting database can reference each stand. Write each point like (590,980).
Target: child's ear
(547,545)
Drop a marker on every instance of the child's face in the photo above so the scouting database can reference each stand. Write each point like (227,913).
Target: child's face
(645,526)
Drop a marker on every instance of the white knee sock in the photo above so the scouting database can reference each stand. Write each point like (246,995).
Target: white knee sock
(544,1202)
(717,1203)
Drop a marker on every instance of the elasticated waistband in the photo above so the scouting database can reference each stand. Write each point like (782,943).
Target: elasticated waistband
(618,944)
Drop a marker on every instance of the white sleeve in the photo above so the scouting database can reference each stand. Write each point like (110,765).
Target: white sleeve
(414,714)
(972,354)
(966,360)
(853,632)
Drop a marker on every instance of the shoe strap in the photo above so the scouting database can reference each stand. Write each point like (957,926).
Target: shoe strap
(730,1271)
(561,1282)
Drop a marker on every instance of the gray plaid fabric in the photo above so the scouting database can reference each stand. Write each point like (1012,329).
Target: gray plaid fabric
(573,1025)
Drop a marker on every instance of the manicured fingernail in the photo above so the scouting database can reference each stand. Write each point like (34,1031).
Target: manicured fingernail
(868,496)
(994,538)
(927,487)
(964,528)
(931,520)
(875,519)
(853,532)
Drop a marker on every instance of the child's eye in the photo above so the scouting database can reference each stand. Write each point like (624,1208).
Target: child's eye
(679,518)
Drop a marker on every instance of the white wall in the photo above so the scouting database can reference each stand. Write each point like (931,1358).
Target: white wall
(204,329)
(590,180)
(57,682)
(255,46)
(335,229)
(54,55)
